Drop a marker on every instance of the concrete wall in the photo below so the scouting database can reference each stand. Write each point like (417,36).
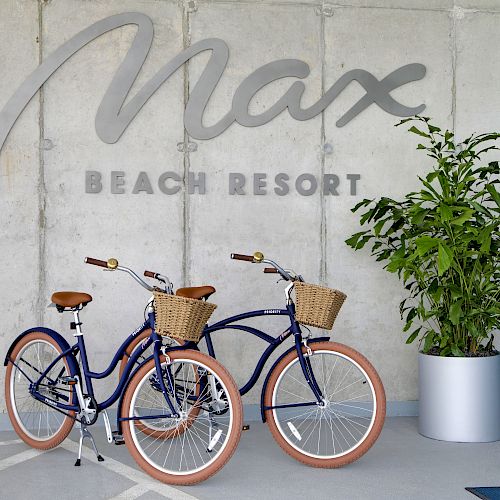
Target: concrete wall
(49,224)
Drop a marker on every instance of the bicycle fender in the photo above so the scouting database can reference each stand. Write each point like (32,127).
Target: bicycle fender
(266,381)
(60,340)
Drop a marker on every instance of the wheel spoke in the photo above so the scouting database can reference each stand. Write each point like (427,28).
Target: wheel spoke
(333,428)
(38,420)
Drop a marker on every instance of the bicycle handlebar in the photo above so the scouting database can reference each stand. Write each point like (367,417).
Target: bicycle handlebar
(112,265)
(96,262)
(258,258)
(268,270)
(238,256)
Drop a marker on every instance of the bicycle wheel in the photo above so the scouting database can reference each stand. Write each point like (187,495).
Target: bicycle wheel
(352,415)
(196,448)
(38,424)
(164,429)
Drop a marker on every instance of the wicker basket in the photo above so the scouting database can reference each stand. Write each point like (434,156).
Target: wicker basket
(180,317)
(317,305)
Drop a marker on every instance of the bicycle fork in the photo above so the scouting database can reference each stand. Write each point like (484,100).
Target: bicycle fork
(307,370)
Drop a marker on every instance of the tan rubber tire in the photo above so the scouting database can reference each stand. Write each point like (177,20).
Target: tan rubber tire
(235,432)
(329,463)
(160,434)
(68,422)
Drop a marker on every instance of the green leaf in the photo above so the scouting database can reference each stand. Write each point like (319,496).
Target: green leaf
(432,175)
(456,291)
(378,227)
(419,216)
(363,203)
(429,341)
(448,135)
(494,193)
(480,208)
(395,265)
(445,351)
(444,341)
(353,240)
(466,215)
(424,244)
(485,239)
(445,258)
(436,294)
(415,130)
(446,212)
(456,312)
(413,335)
(456,351)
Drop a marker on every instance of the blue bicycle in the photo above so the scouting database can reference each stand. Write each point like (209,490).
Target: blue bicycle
(179,410)
(323,401)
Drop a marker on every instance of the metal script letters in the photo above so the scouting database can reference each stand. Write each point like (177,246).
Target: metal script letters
(113,117)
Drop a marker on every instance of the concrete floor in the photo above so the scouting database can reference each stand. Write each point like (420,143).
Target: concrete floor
(401,465)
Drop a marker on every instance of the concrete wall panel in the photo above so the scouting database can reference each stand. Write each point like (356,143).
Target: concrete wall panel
(19,188)
(142,230)
(477,95)
(386,159)
(285,228)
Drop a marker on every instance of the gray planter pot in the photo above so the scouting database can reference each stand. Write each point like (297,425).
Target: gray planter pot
(459,398)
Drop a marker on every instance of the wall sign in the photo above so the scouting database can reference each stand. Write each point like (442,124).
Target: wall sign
(306,184)
(113,117)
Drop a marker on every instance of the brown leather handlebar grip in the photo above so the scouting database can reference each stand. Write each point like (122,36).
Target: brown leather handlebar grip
(238,256)
(96,262)
(150,274)
(269,270)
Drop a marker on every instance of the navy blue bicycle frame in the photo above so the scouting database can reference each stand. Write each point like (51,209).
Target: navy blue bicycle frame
(88,375)
(274,343)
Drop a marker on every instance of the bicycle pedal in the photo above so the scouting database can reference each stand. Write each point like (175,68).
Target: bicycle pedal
(68,380)
(118,438)
(246,427)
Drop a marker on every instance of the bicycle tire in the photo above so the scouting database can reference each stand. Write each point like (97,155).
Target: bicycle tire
(368,440)
(229,445)
(12,407)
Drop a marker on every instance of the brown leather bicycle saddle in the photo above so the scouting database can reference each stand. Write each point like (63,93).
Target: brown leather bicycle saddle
(196,292)
(71,299)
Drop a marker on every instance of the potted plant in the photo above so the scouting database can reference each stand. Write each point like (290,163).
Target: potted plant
(443,242)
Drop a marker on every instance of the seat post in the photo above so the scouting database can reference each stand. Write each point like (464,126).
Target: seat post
(77,323)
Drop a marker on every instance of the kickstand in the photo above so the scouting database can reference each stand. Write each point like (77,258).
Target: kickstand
(85,433)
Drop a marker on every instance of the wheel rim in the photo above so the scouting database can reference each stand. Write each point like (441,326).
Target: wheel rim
(185,452)
(349,408)
(37,420)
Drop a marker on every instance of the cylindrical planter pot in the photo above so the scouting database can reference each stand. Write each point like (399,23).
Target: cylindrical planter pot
(459,398)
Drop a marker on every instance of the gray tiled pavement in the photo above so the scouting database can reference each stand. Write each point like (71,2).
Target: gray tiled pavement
(401,465)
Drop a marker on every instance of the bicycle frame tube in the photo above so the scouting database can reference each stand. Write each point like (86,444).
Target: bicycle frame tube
(273,342)
(88,375)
